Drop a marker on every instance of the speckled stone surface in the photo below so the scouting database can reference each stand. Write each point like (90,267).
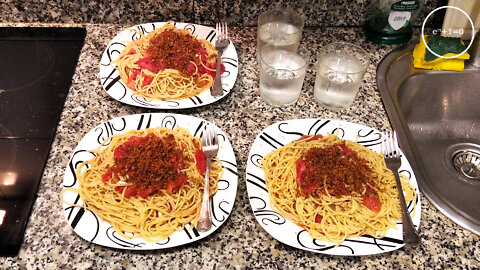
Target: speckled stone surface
(240,243)
(239,13)
(315,12)
(80,11)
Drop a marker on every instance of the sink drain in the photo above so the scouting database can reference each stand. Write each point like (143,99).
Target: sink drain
(467,163)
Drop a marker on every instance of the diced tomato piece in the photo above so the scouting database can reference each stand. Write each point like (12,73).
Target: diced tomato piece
(170,187)
(346,150)
(201,50)
(301,167)
(316,137)
(151,190)
(211,73)
(303,137)
(343,190)
(107,176)
(145,192)
(131,84)
(201,159)
(131,141)
(309,138)
(372,203)
(147,63)
(135,74)
(177,184)
(179,160)
(307,189)
(147,80)
(212,67)
(136,140)
(318,218)
(304,171)
(190,68)
(120,151)
(120,189)
(131,52)
(201,69)
(130,191)
(181,180)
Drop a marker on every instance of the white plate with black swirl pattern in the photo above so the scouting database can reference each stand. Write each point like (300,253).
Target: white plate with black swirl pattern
(89,226)
(285,231)
(113,85)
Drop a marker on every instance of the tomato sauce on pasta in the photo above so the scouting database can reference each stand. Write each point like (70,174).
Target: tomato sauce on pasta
(334,188)
(146,183)
(168,64)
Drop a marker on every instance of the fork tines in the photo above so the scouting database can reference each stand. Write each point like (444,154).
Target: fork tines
(209,135)
(221,30)
(390,148)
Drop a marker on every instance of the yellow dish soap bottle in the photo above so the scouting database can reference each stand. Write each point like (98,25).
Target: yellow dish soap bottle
(391,21)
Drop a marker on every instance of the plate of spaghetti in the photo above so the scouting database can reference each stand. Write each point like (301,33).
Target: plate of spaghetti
(136,182)
(166,65)
(320,185)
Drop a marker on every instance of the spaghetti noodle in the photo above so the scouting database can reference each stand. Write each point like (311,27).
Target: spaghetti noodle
(334,188)
(146,183)
(168,64)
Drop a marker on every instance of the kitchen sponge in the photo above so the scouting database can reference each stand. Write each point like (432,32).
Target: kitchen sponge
(445,46)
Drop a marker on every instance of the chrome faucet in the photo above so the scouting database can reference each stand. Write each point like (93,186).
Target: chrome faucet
(475,51)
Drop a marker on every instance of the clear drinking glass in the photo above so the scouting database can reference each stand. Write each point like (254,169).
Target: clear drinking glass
(281,27)
(340,71)
(282,72)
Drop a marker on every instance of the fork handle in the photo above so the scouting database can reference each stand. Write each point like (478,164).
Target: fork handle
(217,89)
(410,235)
(205,217)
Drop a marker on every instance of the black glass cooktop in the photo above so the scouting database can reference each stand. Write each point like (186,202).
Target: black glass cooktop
(36,69)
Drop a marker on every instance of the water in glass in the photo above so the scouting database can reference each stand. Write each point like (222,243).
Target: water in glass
(278,34)
(281,77)
(338,80)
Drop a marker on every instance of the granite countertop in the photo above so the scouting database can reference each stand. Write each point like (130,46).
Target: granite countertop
(50,243)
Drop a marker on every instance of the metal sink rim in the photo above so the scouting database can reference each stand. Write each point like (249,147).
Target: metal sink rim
(406,140)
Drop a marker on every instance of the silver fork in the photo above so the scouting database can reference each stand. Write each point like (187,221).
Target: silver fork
(391,152)
(222,42)
(210,148)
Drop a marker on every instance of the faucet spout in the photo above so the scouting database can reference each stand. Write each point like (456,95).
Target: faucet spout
(475,51)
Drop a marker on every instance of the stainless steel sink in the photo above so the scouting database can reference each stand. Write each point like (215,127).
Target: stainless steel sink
(437,117)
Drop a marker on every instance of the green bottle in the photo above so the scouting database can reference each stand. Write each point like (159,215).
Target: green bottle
(391,21)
